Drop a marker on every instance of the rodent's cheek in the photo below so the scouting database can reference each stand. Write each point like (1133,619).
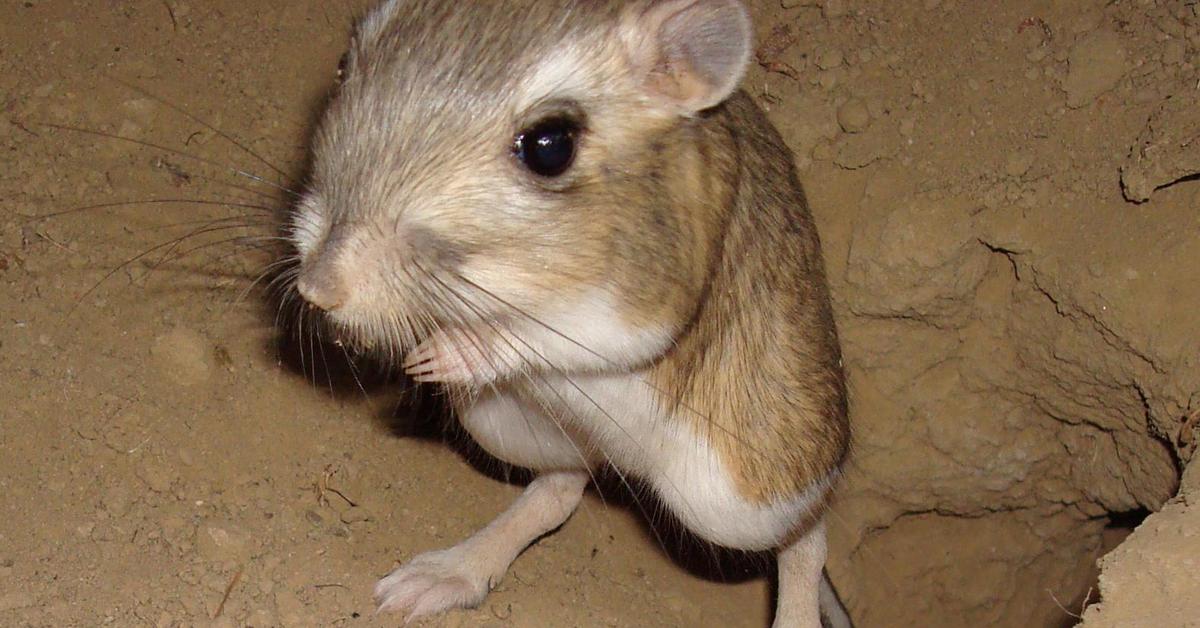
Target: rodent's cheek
(508,285)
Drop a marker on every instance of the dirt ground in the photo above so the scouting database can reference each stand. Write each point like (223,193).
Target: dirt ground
(1008,198)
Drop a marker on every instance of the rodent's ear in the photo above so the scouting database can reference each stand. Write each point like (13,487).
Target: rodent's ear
(690,53)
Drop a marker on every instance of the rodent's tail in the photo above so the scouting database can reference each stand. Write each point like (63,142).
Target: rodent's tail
(833,614)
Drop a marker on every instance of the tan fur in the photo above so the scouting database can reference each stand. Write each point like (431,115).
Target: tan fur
(679,246)
(697,224)
(758,369)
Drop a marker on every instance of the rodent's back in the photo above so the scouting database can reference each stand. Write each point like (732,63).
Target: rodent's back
(759,370)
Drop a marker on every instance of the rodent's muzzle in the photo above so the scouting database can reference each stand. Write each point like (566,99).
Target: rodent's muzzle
(321,285)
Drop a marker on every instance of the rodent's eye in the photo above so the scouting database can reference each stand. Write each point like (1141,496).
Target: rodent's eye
(548,147)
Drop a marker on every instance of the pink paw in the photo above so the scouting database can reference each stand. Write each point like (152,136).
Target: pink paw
(433,583)
(454,357)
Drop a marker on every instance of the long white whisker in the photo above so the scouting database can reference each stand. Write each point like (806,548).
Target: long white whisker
(662,394)
(198,120)
(210,162)
(579,389)
(549,413)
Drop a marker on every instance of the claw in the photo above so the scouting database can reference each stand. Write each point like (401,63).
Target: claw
(454,357)
(430,584)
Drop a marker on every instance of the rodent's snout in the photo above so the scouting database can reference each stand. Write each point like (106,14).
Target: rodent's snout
(320,286)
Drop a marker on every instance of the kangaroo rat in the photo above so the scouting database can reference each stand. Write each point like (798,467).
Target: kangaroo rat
(566,213)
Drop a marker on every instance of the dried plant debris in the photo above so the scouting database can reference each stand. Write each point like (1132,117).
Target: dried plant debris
(782,37)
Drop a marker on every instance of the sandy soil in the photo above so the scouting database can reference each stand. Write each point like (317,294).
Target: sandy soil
(1021,335)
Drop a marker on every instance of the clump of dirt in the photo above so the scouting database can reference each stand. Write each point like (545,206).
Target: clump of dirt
(1020,335)
(1150,579)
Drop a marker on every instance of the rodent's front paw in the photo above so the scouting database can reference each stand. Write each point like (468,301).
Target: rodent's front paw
(457,357)
(433,583)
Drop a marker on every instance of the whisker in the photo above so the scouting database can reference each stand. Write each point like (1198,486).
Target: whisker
(321,348)
(578,389)
(210,162)
(264,194)
(300,340)
(203,123)
(246,222)
(661,392)
(170,245)
(152,201)
(173,253)
(264,244)
(312,355)
(242,241)
(266,271)
(287,301)
(353,370)
(565,404)
(282,284)
(546,409)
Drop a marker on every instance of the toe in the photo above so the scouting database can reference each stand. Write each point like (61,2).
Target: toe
(443,596)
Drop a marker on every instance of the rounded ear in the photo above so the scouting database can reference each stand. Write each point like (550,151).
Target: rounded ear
(690,53)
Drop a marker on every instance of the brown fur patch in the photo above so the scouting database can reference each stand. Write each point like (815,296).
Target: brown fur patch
(758,371)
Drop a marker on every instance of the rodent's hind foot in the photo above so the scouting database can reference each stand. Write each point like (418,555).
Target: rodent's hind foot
(433,583)
(461,576)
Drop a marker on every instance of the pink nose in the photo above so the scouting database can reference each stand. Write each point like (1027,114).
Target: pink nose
(321,286)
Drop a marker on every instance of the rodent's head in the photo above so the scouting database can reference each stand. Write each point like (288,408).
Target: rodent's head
(483,158)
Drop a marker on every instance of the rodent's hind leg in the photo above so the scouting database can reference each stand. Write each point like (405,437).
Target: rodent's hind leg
(461,576)
(801,569)
(833,614)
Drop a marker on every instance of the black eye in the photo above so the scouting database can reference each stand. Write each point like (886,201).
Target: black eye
(548,147)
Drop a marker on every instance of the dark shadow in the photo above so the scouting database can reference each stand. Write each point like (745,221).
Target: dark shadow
(1120,525)
(1126,521)
(699,557)
(424,412)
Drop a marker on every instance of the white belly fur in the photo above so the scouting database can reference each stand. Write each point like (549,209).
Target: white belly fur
(632,433)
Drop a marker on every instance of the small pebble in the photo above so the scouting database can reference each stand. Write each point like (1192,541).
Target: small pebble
(356,514)
(1018,164)
(156,475)
(829,58)
(827,80)
(833,9)
(185,355)
(853,116)
(219,541)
